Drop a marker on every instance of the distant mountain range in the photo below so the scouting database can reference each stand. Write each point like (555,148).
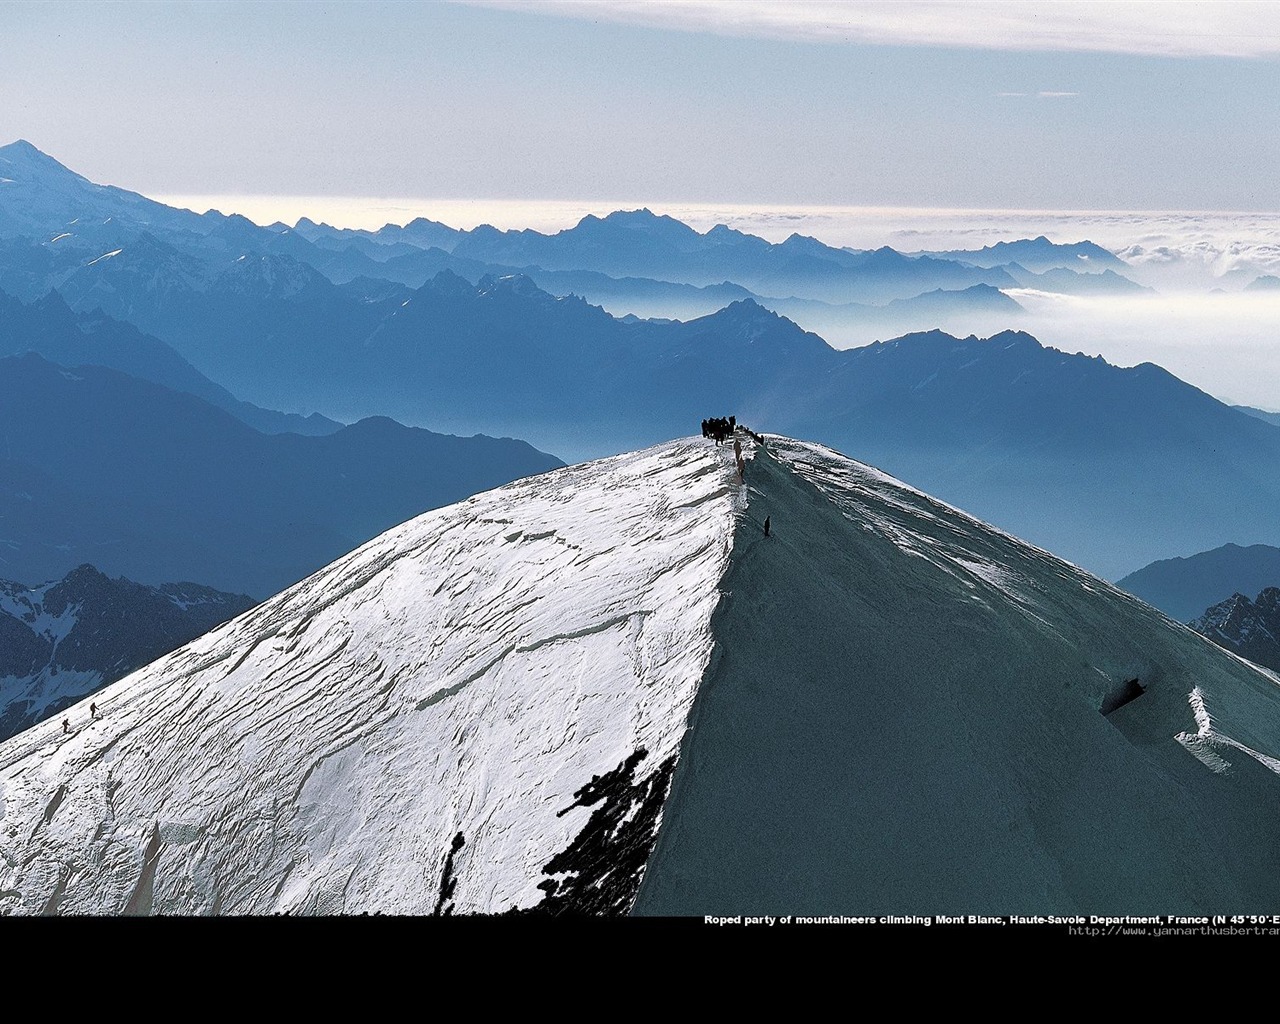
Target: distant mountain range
(1250,629)
(203,282)
(81,224)
(1070,282)
(1071,452)
(49,328)
(1038,255)
(1184,587)
(272,306)
(61,641)
(641,244)
(1263,283)
(1066,450)
(1267,417)
(387,241)
(154,484)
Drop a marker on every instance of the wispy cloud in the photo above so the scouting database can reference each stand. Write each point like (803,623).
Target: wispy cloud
(1055,95)
(1224,28)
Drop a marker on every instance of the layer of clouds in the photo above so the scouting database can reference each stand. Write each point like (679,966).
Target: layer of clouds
(1186,29)
(1223,343)
(1165,248)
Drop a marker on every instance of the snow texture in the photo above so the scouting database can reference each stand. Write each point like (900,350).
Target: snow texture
(461,690)
(908,711)
(606,690)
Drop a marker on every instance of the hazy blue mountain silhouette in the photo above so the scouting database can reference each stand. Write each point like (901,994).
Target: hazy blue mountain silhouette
(230,318)
(1263,283)
(639,243)
(1070,452)
(234,318)
(648,298)
(1266,417)
(1103,465)
(1074,282)
(1039,255)
(51,329)
(156,485)
(1067,450)
(157,268)
(1183,588)
(42,200)
(419,233)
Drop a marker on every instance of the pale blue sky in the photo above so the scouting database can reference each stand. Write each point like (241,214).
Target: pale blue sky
(443,100)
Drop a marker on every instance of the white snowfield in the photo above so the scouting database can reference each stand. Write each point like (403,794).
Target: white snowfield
(605,690)
(463,674)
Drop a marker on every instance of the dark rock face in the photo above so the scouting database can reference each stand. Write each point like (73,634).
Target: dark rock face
(61,642)
(1250,629)
(599,873)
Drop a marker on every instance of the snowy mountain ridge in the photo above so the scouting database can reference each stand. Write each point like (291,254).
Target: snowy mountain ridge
(511,681)
(605,690)
(63,640)
(1248,628)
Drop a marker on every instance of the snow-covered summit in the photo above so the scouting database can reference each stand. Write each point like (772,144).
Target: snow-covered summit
(465,674)
(41,194)
(605,689)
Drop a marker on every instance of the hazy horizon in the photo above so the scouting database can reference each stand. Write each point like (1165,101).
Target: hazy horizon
(851,222)
(919,125)
(1222,342)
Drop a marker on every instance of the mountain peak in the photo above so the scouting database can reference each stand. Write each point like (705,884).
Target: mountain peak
(748,309)
(447,283)
(581,617)
(272,275)
(1020,338)
(722,234)
(643,222)
(509,284)
(84,573)
(20,147)
(22,155)
(639,215)
(44,198)
(53,302)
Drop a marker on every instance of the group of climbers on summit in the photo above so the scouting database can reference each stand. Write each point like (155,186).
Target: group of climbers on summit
(720,428)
